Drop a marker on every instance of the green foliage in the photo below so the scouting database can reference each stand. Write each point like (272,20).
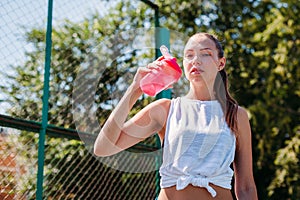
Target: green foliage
(261,45)
(286,181)
(78,50)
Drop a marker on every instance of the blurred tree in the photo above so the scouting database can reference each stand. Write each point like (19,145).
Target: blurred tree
(261,45)
(95,58)
(262,49)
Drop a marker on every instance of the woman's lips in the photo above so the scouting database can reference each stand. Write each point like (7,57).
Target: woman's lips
(195,70)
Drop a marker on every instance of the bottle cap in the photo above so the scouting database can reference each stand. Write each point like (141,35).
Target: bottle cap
(169,59)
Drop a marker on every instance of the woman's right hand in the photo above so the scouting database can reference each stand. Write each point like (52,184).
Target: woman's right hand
(143,71)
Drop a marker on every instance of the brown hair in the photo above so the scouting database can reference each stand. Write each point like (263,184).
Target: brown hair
(221,89)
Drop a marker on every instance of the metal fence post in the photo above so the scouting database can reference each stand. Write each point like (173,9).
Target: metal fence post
(42,135)
(162,37)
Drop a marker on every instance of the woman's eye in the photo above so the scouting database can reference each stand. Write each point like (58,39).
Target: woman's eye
(205,54)
(189,56)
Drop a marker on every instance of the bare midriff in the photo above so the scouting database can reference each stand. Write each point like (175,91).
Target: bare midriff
(194,193)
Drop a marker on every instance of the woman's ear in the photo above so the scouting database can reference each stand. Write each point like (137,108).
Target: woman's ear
(222,63)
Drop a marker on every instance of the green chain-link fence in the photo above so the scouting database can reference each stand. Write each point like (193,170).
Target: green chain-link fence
(93,58)
(70,172)
(18,166)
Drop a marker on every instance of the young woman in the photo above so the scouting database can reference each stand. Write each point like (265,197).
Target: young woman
(202,133)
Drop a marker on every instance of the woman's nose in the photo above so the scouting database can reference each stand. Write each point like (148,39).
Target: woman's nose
(196,59)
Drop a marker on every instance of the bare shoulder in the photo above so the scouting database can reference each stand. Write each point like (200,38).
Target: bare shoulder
(160,105)
(163,102)
(161,108)
(243,126)
(242,115)
(158,110)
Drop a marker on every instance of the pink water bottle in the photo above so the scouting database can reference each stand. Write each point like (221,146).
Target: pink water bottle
(167,74)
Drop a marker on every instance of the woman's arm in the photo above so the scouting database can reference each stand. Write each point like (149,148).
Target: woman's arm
(245,188)
(117,135)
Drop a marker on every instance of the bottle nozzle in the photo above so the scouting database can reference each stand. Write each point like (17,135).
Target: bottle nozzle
(165,51)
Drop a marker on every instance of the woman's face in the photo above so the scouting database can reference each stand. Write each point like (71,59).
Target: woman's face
(201,61)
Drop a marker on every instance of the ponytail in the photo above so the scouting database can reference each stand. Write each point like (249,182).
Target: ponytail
(228,103)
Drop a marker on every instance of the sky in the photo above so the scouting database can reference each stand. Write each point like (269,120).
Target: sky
(19,16)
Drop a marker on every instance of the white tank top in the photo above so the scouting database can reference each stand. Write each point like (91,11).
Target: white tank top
(199,146)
